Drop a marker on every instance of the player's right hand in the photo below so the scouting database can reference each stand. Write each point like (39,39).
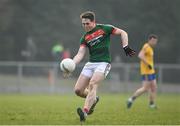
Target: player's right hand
(66,74)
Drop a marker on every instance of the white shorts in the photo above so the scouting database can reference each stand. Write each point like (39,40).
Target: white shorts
(91,67)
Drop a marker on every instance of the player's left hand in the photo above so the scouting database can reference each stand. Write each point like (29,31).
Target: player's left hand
(129,52)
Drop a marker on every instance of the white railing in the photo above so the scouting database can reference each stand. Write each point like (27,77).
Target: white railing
(32,76)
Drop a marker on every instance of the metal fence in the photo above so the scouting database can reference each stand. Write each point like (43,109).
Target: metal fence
(46,77)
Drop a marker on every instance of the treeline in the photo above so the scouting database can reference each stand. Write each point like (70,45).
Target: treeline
(42,23)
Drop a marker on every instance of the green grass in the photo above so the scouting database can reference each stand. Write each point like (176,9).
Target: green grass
(61,109)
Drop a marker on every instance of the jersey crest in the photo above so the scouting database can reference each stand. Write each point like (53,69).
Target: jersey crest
(94,37)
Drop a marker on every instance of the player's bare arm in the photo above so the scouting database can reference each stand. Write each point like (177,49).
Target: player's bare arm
(123,34)
(77,58)
(80,55)
(124,39)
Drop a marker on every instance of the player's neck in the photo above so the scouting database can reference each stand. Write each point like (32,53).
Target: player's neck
(150,44)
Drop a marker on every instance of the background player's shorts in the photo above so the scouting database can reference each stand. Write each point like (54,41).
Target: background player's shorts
(148,77)
(91,67)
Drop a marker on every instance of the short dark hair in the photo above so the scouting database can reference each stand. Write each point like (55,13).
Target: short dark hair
(152,36)
(89,15)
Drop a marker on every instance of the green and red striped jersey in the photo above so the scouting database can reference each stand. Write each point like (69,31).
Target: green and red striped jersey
(98,42)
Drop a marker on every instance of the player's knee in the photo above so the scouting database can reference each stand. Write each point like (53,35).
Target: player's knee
(153,89)
(78,92)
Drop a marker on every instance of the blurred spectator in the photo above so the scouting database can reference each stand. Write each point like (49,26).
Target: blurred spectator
(57,51)
(31,50)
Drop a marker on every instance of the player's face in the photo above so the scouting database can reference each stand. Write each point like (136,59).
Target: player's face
(153,41)
(87,24)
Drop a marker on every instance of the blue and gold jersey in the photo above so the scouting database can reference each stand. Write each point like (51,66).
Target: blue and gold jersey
(149,55)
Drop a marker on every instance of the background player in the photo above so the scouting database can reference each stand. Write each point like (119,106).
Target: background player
(147,72)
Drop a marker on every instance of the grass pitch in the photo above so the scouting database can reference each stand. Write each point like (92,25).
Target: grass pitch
(111,110)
